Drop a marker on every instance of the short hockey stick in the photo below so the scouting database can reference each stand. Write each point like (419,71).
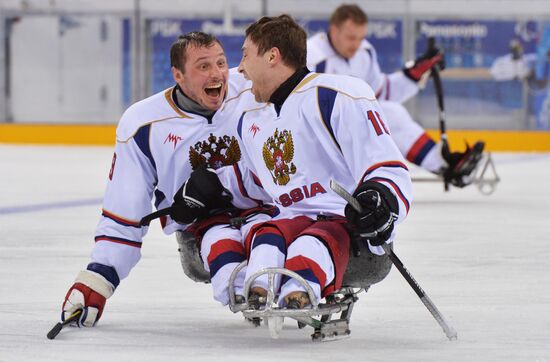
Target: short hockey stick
(438,86)
(439,94)
(146,220)
(449,331)
(59,326)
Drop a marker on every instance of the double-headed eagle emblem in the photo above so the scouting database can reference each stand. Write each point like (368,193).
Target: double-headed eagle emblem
(278,152)
(215,152)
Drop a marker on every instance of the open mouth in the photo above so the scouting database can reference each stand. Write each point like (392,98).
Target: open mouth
(214,90)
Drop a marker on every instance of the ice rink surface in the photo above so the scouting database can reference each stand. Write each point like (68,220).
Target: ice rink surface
(483,260)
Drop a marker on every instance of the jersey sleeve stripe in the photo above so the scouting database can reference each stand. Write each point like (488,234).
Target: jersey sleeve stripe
(108,272)
(240,183)
(120,220)
(163,221)
(325,100)
(420,149)
(396,189)
(256,180)
(374,167)
(142,140)
(387,87)
(159,197)
(113,239)
(379,91)
(240,126)
(369,52)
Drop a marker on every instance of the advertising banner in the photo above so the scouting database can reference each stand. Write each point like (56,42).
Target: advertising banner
(385,35)
(490,73)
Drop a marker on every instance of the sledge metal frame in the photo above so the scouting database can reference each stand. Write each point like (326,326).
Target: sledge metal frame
(361,273)
(326,327)
(485,183)
(321,317)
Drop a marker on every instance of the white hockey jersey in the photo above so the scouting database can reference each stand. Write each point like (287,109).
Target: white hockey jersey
(507,68)
(329,127)
(157,147)
(323,58)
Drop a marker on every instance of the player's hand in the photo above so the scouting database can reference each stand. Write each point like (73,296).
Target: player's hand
(89,293)
(199,195)
(376,221)
(424,63)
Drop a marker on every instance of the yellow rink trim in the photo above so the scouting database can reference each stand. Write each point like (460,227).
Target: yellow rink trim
(505,141)
(523,141)
(58,134)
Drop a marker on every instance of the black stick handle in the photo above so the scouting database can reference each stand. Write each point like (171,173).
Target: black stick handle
(450,332)
(441,106)
(59,326)
(146,220)
(438,86)
(408,277)
(438,90)
(55,331)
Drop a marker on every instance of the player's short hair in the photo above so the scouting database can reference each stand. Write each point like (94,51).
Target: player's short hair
(281,32)
(348,11)
(178,51)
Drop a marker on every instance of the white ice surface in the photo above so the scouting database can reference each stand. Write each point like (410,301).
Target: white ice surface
(484,261)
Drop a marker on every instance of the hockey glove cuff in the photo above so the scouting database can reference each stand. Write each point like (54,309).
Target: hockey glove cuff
(380,209)
(424,63)
(88,293)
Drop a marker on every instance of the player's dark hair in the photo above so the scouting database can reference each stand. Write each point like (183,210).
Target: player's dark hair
(178,51)
(280,32)
(348,11)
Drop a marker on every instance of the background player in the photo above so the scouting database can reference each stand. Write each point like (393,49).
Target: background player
(344,50)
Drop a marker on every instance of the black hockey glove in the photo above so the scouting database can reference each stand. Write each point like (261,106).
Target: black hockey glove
(376,220)
(424,63)
(199,196)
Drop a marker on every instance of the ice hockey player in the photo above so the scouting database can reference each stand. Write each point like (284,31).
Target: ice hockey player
(514,65)
(314,128)
(344,50)
(159,142)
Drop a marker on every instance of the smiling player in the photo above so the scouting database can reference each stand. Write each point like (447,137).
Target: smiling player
(159,142)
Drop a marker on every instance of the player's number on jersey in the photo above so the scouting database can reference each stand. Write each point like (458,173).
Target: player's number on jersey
(377,123)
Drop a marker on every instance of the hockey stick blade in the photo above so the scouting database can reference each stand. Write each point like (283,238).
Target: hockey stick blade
(450,332)
(59,326)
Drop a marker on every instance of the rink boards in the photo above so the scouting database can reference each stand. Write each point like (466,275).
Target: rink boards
(496,140)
